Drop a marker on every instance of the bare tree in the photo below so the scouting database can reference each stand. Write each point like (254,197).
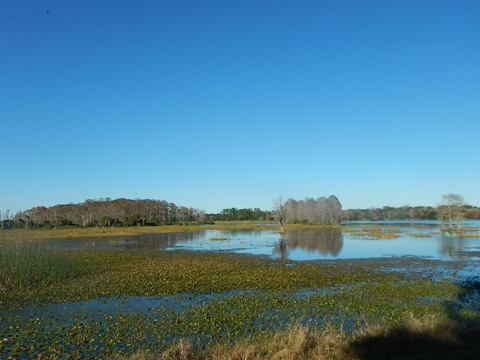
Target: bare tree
(323,211)
(280,213)
(450,213)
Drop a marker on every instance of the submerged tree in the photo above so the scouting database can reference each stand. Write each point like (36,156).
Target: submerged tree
(450,213)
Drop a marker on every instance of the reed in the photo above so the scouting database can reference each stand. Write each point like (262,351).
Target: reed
(28,265)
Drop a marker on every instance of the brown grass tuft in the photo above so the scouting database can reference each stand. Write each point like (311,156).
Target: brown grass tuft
(181,350)
(416,339)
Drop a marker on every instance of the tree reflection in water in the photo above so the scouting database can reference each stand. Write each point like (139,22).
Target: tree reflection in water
(328,241)
(452,246)
(281,248)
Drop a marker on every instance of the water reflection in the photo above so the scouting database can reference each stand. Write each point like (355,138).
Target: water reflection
(417,239)
(328,241)
(133,242)
(452,246)
(161,241)
(281,248)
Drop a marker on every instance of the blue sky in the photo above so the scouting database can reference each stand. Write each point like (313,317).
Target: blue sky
(218,104)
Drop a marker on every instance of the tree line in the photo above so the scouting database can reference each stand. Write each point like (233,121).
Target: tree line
(235,214)
(104,213)
(407,213)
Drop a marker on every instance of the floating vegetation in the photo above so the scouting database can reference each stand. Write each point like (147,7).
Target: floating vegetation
(422,235)
(373,232)
(101,333)
(117,303)
(273,297)
(470,232)
(220,238)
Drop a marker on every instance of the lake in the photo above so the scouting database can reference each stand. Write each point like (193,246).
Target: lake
(354,240)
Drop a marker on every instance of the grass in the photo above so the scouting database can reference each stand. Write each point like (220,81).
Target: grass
(413,339)
(372,232)
(78,232)
(421,235)
(219,238)
(25,266)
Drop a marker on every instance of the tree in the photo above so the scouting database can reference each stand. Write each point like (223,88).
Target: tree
(322,211)
(280,213)
(450,213)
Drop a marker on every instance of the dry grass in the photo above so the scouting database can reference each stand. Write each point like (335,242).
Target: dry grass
(78,232)
(416,339)
(298,342)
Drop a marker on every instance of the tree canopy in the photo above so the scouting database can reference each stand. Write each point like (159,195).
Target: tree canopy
(105,213)
(323,211)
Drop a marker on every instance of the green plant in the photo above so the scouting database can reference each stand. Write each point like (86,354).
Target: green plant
(25,265)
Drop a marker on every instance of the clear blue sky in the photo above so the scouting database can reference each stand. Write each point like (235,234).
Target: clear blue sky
(217,104)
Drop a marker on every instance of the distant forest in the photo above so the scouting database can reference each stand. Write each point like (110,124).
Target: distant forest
(126,212)
(405,213)
(104,213)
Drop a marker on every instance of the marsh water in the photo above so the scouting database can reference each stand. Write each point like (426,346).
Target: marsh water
(414,248)
(351,241)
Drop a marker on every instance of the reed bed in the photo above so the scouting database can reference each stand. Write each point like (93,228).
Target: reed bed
(26,265)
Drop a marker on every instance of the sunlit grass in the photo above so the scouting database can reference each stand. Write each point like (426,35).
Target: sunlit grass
(416,338)
(78,232)
(422,235)
(219,238)
(372,232)
(470,233)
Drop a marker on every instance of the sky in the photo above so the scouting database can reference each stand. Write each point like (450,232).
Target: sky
(220,104)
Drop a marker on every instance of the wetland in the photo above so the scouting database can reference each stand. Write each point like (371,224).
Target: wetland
(124,294)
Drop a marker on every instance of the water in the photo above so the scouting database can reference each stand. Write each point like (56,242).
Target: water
(415,238)
(419,248)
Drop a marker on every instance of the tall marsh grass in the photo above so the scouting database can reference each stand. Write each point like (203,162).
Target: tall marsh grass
(25,265)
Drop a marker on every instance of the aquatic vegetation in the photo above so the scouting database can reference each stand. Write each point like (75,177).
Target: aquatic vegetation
(276,294)
(219,238)
(422,235)
(172,272)
(373,232)
(144,302)
(93,232)
(470,232)
(229,320)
